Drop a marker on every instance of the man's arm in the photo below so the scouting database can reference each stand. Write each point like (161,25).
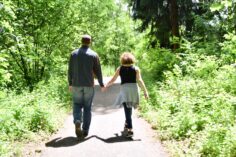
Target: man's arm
(97,71)
(70,72)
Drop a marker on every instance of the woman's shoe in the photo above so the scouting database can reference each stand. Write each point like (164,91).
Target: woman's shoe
(125,127)
(130,133)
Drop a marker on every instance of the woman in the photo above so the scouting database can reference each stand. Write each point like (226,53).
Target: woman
(129,94)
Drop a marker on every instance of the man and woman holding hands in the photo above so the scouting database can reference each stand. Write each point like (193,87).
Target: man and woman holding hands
(84,64)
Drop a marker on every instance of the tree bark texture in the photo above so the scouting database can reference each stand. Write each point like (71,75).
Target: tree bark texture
(174,20)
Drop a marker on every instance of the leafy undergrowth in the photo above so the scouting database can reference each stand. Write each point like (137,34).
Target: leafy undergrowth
(27,115)
(194,109)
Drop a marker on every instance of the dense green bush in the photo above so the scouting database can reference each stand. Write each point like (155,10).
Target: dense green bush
(4,72)
(196,104)
(24,115)
(229,48)
(159,60)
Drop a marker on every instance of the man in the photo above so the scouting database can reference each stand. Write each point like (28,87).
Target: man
(83,65)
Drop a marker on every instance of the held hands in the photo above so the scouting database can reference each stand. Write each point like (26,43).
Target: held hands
(103,89)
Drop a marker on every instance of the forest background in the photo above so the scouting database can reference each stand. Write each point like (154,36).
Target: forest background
(186,50)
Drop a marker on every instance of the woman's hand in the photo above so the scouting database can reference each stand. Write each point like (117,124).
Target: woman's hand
(146,95)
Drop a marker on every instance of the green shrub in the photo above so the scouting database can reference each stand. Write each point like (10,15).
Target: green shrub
(25,115)
(4,149)
(195,106)
(229,48)
(213,143)
(159,60)
(40,120)
(226,78)
(229,148)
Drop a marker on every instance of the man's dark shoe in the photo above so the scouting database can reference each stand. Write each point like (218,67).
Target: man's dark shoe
(85,133)
(78,130)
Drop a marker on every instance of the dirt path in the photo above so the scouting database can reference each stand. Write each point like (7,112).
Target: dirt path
(105,137)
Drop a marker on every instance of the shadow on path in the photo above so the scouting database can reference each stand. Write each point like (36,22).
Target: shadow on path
(71,141)
(117,138)
(65,142)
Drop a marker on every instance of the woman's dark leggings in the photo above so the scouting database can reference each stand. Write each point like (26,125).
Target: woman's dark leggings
(128,116)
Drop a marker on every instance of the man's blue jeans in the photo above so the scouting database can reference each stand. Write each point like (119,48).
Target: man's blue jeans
(82,104)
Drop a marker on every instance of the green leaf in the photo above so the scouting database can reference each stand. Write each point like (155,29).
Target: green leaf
(7,77)
(2,59)
(1,5)
(227,3)
(7,25)
(2,95)
(216,7)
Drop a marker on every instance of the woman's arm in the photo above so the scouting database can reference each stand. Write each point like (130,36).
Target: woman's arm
(141,83)
(113,79)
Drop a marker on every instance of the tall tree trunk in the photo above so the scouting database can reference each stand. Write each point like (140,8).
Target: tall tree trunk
(174,20)
(235,29)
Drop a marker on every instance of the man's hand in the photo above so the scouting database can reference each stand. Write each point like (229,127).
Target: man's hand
(103,89)
(70,88)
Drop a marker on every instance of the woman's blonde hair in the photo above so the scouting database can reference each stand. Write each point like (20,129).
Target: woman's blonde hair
(127,58)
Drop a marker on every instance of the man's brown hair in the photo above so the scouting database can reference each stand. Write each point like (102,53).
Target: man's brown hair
(86,39)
